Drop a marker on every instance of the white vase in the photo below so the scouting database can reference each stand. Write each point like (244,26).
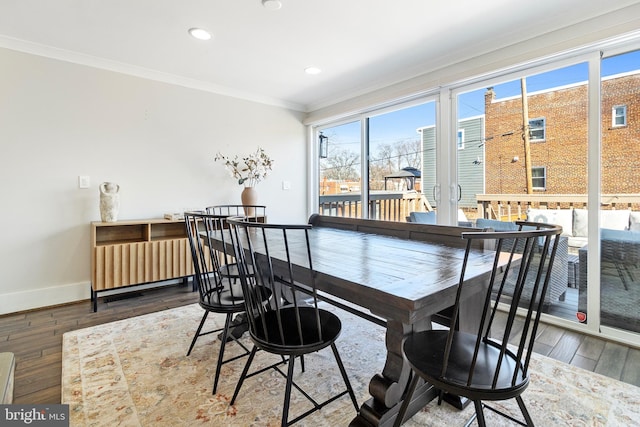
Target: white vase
(249,196)
(109,201)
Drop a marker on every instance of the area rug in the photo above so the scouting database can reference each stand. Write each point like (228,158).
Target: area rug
(135,372)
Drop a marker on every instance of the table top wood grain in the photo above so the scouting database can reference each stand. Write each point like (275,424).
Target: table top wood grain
(393,277)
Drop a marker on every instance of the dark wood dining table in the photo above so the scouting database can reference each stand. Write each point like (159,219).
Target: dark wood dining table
(402,274)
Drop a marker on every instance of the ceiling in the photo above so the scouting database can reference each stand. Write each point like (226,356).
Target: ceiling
(261,54)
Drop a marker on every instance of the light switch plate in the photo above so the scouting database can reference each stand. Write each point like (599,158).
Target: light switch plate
(84,181)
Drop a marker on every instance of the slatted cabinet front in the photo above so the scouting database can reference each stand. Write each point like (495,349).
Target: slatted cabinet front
(128,253)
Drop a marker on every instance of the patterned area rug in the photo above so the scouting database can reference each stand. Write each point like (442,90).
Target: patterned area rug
(134,372)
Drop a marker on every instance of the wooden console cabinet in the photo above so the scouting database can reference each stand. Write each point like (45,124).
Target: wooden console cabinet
(126,253)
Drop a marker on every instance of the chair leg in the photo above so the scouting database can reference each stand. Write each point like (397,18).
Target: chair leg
(287,392)
(225,332)
(244,374)
(407,399)
(479,413)
(195,337)
(524,411)
(343,372)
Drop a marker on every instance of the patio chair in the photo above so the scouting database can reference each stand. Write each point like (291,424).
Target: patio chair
(473,364)
(423,217)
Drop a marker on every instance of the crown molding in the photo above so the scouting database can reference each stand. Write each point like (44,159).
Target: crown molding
(141,72)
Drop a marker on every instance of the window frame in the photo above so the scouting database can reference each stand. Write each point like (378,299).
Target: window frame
(543,177)
(544,130)
(614,116)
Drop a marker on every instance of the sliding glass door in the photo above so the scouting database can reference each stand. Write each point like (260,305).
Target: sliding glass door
(522,155)
(558,143)
(340,170)
(619,196)
(396,168)
(389,185)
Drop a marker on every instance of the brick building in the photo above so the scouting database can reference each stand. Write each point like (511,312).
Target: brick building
(558,134)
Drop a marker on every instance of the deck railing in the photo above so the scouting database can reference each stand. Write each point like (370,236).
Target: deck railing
(508,207)
(383,205)
(396,206)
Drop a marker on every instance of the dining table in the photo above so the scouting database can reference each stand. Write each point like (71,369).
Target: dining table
(400,275)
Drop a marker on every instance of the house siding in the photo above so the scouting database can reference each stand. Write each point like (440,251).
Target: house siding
(470,171)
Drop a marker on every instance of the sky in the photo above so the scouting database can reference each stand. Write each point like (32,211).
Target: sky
(394,127)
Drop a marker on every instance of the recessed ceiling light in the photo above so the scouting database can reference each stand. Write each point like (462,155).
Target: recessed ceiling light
(199,33)
(312,70)
(272,4)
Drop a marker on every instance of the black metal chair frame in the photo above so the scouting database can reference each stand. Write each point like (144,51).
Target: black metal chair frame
(250,213)
(218,292)
(475,365)
(280,327)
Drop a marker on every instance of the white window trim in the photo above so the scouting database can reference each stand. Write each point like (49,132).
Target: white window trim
(614,116)
(544,169)
(544,130)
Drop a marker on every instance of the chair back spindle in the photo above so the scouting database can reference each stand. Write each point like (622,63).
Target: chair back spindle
(251,213)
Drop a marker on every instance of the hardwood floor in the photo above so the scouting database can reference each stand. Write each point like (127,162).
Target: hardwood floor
(36,339)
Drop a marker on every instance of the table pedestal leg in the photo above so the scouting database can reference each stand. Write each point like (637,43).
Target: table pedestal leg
(387,388)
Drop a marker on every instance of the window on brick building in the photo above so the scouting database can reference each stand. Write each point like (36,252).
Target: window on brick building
(537,129)
(539,177)
(460,139)
(619,115)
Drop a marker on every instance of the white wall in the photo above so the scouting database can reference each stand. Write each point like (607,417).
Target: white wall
(60,120)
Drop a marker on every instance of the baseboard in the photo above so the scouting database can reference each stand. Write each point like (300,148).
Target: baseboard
(43,297)
(63,294)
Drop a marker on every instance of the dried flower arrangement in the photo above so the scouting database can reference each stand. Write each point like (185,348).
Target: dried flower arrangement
(248,170)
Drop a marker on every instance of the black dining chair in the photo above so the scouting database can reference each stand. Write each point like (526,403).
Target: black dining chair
(253,213)
(228,268)
(250,213)
(492,362)
(219,293)
(280,257)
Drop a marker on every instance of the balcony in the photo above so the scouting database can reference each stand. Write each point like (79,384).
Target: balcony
(509,207)
(619,250)
(383,205)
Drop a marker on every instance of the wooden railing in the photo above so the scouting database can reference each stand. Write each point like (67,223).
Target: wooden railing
(388,206)
(396,206)
(514,206)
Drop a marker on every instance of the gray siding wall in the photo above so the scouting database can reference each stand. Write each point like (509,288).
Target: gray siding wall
(429,163)
(470,161)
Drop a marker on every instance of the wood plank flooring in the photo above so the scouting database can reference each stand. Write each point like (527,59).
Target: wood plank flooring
(36,339)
